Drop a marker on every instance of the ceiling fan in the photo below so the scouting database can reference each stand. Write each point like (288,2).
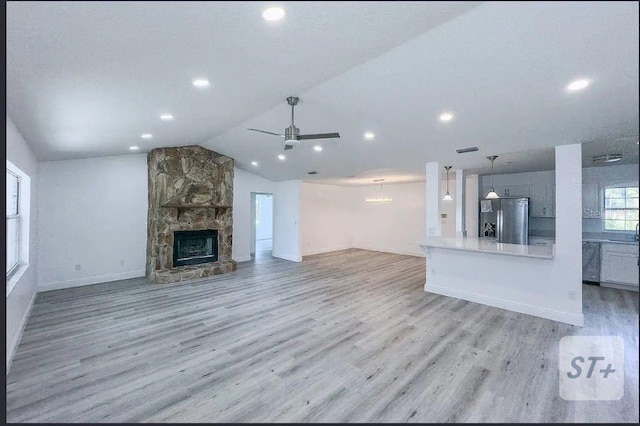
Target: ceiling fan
(292,134)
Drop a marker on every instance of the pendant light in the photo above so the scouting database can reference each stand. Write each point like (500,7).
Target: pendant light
(378,198)
(492,194)
(447,196)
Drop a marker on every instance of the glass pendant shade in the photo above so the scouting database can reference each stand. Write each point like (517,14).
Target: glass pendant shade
(447,196)
(492,195)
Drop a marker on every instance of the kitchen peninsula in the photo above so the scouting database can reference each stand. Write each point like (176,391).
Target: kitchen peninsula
(489,245)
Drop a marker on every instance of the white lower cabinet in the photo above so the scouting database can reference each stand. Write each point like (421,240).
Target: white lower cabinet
(619,265)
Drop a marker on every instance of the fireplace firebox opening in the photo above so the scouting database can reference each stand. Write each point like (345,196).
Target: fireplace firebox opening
(194,247)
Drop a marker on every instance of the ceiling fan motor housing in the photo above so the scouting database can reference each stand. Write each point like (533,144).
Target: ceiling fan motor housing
(291,134)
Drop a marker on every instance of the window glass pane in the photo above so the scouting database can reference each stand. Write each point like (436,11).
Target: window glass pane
(614,192)
(632,215)
(614,225)
(12,243)
(632,192)
(632,202)
(631,225)
(614,214)
(12,194)
(615,203)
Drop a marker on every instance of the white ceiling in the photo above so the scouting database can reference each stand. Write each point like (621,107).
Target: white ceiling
(86,79)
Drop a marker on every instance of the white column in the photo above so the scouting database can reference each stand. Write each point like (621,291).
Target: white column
(461,217)
(569,224)
(433,177)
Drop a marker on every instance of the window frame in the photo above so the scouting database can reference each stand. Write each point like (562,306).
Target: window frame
(624,186)
(17,217)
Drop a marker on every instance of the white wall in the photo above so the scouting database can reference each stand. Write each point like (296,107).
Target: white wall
(397,226)
(286,220)
(20,300)
(93,213)
(244,184)
(264,227)
(326,218)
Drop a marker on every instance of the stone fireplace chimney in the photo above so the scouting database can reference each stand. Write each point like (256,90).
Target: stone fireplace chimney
(190,189)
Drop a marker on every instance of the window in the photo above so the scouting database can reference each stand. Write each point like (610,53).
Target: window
(621,208)
(13,221)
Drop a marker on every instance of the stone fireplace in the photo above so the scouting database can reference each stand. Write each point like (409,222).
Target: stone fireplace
(189,223)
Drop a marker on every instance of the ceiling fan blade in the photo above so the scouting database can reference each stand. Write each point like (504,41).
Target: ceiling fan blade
(269,133)
(286,147)
(319,136)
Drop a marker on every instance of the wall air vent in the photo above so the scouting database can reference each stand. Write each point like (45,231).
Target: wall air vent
(470,149)
(312,173)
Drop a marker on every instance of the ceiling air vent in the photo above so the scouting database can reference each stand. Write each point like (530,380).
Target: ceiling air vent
(470,149)
(312,173)
(607,158)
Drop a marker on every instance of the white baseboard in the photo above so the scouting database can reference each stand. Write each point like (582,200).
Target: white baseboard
(23,322)
(509,305)
(287,257)
(324,250)
(242,259)
(90,280)
(418,252)
(620,286)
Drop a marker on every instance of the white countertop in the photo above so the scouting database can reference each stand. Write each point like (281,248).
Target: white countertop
(488,245)
(599,240)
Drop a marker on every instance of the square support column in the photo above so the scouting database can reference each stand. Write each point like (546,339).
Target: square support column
(433,172)
(461,196)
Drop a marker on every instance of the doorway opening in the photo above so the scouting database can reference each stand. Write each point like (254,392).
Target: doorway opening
(261,225)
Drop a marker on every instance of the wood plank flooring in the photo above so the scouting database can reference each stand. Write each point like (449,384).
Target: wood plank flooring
(347,336)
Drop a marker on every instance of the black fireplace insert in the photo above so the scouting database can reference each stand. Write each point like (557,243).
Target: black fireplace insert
(194,247)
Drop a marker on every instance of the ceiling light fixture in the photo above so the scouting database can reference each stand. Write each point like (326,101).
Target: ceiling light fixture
(134,148)
(607,158)
(281,156)
(369,136)
(447,196)
(273,14)
(146,136)
(378,198)
(492,194)
(446,116)
(201,82)
(317,148)
(577,85)
(254,163)
(166,117)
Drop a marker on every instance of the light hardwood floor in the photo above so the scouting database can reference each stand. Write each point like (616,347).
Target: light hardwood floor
(348,336)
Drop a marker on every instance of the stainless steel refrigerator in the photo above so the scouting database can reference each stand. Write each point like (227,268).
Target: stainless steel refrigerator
(506,219)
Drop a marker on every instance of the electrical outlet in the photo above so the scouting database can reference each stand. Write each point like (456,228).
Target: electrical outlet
(572,295)
(433,272)
(78,267)
(122,263)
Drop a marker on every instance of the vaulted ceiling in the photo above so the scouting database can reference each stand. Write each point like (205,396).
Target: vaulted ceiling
(88,78)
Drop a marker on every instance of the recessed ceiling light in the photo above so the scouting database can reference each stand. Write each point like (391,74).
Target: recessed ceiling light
(369,136)
(281,156)
(166,117)
(146,136)
(607,158)
(134,148)
(577,85)
(317,148)
(201,82)
(446,116)
(273,13)
(254,163)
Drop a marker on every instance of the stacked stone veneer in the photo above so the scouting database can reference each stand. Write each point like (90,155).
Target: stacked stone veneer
(190,188)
